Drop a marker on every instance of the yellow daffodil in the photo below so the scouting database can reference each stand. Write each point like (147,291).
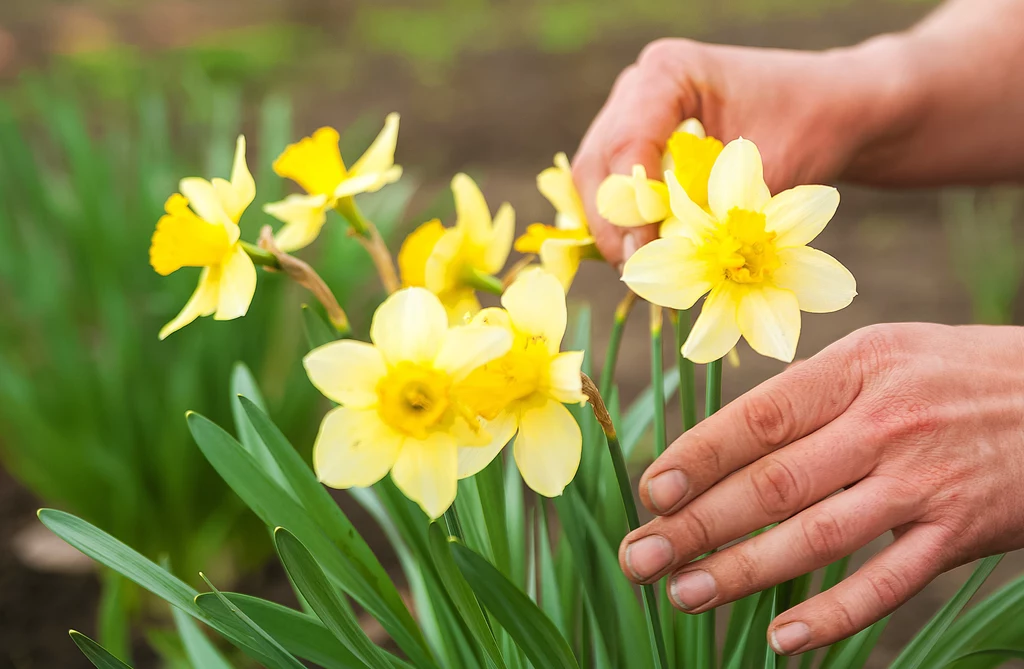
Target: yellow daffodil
(206,235)
(632,200)
(523,391)
(400,400)
(563,245)
(450,262)
(690,156)
(750,252)
(315,163)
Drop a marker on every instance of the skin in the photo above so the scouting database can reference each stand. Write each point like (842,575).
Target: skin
(917,429)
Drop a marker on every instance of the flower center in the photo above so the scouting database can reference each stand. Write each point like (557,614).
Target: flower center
(413,398)
(743,249)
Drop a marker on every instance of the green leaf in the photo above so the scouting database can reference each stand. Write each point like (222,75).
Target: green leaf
(997,621)
(640,413)
(853,653)
(244,385)
(760,609)
(462,595)
(522,619)
(550,593)
(201,652)
(97,654)
(996,653)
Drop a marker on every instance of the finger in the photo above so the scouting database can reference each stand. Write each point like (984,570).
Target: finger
(882,585)
(824,533)
(767,491)
(781,410)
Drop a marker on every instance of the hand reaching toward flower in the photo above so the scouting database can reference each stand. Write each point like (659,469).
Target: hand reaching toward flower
(918,426)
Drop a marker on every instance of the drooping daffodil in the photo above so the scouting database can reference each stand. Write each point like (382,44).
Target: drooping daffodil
(749,252)
(523,392)
(452,262)
(401,400)
(560,246)
(200,229)
(315,164)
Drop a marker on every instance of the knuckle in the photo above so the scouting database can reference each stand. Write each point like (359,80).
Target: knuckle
(888,587)
(744,569)
(877,348)
(823,536)
(768,418)
(905,414)
(697,532)
(703,455)
(776,488)
(659,53)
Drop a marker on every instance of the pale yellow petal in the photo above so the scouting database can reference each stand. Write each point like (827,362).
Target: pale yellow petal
(303,216)
(471,213)
(380,156)
(237,286)
(500,244)
(693,221)
(548,447)
(692,126)
(737,179)
(409,325)
(668,272)
(347,372)
(820,282)
(616,201)
(717,328)
(651,196)
(472,459)
(467,347)
(369,182)
(204,201)
(202,303)
(557,185)
(427,472)
(536,304)
(235,196)
(461,305)
(564,381)
(769,319)
(493,316)
(445,262)
(561,257)
(673,227)
(354,448)
(799,214)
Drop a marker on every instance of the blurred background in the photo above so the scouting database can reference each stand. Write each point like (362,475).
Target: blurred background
(104,104)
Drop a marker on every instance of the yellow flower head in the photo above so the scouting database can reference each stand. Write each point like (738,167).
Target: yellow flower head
(522,392)
(632,201)
(206,235)
(400,400)
(749,250)
(692,157)
(563,245)
(315,164)
(446,260)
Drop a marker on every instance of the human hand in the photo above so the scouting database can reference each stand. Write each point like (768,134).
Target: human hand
(922,428)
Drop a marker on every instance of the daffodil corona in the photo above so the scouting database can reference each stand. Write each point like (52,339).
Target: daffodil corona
(206,235)
(402,408)
(748,252)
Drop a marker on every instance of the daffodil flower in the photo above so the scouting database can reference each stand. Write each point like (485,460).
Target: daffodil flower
(522,393)
(315,164)
(563,245)
(632,200)
(749,253)
(400,400)
(690,156)
(206,235)
(451,262)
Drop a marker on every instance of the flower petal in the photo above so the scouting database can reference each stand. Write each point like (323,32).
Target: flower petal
(556,184)
(313,162)
(548,447)
(536,304)
(427,472)
(493,316)
(347,372)
(409,325)
(354,448)
(799,214)
(651,196)
(369,182)
(461,305)
(380,156)
(565,383)
(416,250)
(204,200)
(694,222)
(303,217)
(237,286)
(616,201)
(561,257)
(471,213)
(668,272)
(769,319)
(500,244)
(235,196)
(472,459)
(821,283)
(737,179)
(443,270)
(716,330)
(202,303)
(467,347)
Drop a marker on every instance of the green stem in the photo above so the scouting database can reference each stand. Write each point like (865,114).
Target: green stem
(260,257)
(348,208)
(611,355)
(687,376)
(484,282)
(658,382)
(713,388)
(451,519)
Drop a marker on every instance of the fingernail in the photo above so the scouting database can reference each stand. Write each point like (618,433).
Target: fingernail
(648,556)
(790,638)
(667,490)
(693,589)
(629,247)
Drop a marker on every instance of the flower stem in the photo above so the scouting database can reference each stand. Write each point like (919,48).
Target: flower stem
(484,282)
(687,378)
(614,342)
(451,519)
(366,233)
(658,381)
(713,388)
(260,257)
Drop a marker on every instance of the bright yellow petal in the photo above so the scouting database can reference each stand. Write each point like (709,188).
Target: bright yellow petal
(367,183)
(202,303)
(717,328)
(692,159)
(446,262)
(500,243)
(237,286)
(769,319)
(201,194)
(737,179)
(313,162)
(235,196)
(427,472)
(548,447)
(380,156)
(354,448)
(536,304)
(799,214)
(347,372)
(467,347)
(472,459)
(303,216)
(556,184)
(821,283)
(616,201)
(651,196)
(564,381)
(561,257)
(471,213)
(416,249)
(668,272)
(409,325)
(694,222)
(182,239)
